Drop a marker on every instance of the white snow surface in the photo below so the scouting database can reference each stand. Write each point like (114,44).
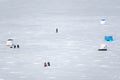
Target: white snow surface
(72,52)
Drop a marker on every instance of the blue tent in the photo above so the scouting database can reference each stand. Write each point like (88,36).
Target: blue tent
(108,38)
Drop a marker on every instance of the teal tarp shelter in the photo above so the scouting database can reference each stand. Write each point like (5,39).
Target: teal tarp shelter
(108,38)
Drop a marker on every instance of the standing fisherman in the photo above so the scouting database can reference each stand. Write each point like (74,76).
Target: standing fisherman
(18,46)
(56,30)
(14,46)
(48,63)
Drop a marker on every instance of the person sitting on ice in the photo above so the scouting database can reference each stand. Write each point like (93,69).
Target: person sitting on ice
(45,64)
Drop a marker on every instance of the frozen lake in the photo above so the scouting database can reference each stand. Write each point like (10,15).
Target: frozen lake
(72,52)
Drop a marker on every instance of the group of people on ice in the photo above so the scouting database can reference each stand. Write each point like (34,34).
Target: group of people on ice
(46,64)
(11,44)
(15,46)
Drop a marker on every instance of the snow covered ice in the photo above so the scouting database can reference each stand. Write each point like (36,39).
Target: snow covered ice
(103,21)
(72,52)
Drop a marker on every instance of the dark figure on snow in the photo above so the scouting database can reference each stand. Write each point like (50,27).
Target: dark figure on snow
(56,30)
(14,46)
(48,63)
(18,46)
(45,64)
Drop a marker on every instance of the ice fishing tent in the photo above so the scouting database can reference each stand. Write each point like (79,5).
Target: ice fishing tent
(108,38)
(9,42)
(103,47)
(103,21)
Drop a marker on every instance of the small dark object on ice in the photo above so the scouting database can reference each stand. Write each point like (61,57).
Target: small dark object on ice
(102,49)
(18,46)
(48,63)
(14,46)
(56,30)
(45,64)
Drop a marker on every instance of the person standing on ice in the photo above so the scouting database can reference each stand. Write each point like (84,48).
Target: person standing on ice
(14,46)
(18,46)
(48,63)
(56,30)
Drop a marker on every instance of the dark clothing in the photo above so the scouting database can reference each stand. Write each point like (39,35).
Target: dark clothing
(56,30)
(45,65)
(14,46)
(18,46)
(48,63)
